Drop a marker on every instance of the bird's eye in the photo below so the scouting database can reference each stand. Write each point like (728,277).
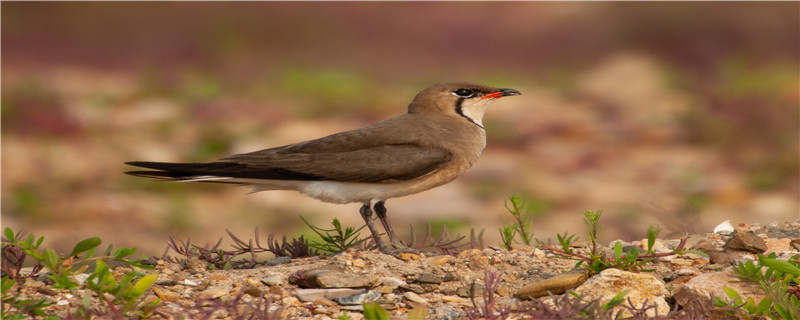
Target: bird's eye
(464,93)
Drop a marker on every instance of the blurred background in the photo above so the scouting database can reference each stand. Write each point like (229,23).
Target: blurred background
(681,115)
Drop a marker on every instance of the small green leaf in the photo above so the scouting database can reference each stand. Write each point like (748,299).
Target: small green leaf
(780,265)
(617,249)
(142,285)
(51,260)
(373,311)
(85,245)
(9,234)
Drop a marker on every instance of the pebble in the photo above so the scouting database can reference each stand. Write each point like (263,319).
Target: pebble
(430,278)
(391,281)
(190,283)
(309,295)
(454,299)
(413,288)
(686,272)
(413,297)
(365,296)
(214,292)
(278,260)
(273,280)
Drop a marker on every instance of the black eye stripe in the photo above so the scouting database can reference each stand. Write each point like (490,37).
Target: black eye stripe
(460,112)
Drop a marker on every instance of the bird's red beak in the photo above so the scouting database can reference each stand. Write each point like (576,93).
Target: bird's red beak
(502,93)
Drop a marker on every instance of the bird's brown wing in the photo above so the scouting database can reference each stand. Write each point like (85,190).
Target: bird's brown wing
(375,164)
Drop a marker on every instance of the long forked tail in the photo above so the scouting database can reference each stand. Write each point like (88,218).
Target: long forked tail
(221,171)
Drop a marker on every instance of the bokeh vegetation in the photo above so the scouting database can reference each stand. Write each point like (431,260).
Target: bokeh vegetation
(677,114)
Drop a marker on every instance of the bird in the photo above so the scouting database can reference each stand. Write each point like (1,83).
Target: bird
(436,140)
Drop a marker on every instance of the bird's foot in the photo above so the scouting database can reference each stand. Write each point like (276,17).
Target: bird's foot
(396,248)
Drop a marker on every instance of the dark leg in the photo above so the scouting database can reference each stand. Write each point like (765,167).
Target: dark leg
(380,211)
(397,246)
(366,214)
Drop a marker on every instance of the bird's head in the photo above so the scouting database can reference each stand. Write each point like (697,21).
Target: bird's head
(458,99)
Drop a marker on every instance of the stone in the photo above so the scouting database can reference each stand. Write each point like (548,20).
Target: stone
(164,294)
(430,278)
(746,241)
(413,297)
(310,295)
(413,288)
(391,281)
(365,296)
(278,260)
(330,276)
(700,289)
(642,288)
(454,299)
(214,292)
(273,280)
(778,246)
(253,291)
(556,285)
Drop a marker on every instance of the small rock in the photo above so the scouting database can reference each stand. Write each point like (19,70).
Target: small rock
(320,310)
(81,277)
(325,302)
(278,260)
(330,277)
(778,245)
(309,295)
(413,297)
(502,291)
(407,256)
(164,294)
(278,291)
(190,283)
(413,288)
(273,280)
(643,288)
(253,291)
(469,253)
(686,271)
(218,277)
(555,285)
(480,262)
(724,227)
(362,297)
(391,281)
(62,302)
(214,292)
(385,289)
(359,263)
(430,278)
(443,260)
(746,241)
(454,299)
(701,288)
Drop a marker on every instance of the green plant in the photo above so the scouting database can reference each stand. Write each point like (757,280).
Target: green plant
(336,239)
(127,292)
(780,281)
(217,258)
(596,261)
(62,268)
(19,309)
(522,224)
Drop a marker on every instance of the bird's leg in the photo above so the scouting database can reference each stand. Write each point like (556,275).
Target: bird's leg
(380,211)
(397,246)
(366,214)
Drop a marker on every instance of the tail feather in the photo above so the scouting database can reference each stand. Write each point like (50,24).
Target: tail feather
(212,171)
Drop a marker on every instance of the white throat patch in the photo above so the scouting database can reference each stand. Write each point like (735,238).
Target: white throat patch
(474,110)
